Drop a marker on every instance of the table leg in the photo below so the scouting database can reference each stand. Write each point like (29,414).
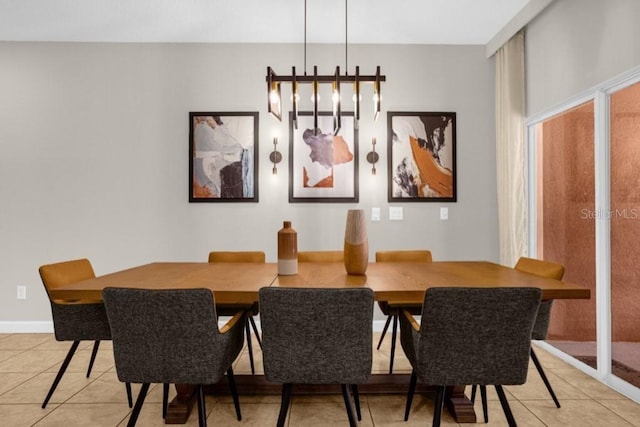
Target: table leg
(459,404)
(180,407)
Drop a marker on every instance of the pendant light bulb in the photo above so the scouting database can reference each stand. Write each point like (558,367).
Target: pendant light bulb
(274,97)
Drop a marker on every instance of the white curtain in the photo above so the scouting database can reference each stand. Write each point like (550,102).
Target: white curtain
(510,149)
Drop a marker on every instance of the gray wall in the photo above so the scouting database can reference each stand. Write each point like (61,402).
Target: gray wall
(574,45)
(94,158)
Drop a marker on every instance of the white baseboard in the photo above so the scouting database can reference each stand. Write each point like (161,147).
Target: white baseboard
(378,325)
(30,327)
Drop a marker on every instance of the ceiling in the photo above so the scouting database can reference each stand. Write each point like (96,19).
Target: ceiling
(257,21)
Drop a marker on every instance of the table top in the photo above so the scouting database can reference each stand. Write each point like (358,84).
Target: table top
(231,282)
(406,282)
(395,282)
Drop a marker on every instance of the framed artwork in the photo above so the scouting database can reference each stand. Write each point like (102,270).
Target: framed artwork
(223,150)
(421,157)
(323,167)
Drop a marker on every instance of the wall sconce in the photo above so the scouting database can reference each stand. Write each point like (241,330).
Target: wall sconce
(372,156)
(275,156)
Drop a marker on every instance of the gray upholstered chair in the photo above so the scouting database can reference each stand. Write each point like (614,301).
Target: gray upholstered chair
(172,336)
(75,320)
(470,336)
(390,311)
(317,336)
(549,270)
(252,310)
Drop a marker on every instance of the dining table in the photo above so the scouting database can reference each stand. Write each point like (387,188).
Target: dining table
(397,283)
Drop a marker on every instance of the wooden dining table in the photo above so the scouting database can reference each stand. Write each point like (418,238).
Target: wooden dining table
(397,283)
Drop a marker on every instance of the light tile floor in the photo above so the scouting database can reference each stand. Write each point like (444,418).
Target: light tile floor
(29,362)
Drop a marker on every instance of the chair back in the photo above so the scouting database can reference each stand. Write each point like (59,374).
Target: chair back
(547,269)
(540,268)
(404,256)
(473,335)
(74,320)
(236,256)
(168,336)
(321,256)
(66,272)
(316,336)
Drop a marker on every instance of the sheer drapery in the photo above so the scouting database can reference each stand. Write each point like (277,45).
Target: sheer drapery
(510,149)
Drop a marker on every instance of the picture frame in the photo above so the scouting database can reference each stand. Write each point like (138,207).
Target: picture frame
(421,156)
(323,167)
(223,157)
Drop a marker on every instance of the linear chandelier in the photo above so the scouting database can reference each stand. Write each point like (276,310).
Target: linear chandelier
(336,80)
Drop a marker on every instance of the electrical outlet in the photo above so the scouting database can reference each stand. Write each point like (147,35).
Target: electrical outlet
(444,213)
(22,292)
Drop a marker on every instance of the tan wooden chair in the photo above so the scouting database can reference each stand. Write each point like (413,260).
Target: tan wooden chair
(75,320)
(549,270)
(237,256)
(321,256)
(241,256)
(390,311)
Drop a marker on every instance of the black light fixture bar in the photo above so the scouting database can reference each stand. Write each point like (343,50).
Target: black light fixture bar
(344,78)
(294,98)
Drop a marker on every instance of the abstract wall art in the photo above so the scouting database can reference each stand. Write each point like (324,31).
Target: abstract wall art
(223,149)
(323,167)
(421,156)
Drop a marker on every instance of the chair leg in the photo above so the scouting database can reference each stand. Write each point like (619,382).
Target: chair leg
(287,390)
(165,399)
(356,400)
(234,392)
(412,389)
(138,406)
(536,362)
(202,411)
(129,394)
(61,371)
(255,330)
(347,404)
(384,331)
(505,406)
(483,396)
(473,393)
(249,347)
(394,333)
(437,410)
(93,357)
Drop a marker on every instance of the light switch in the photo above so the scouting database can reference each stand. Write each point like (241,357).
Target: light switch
(395,213)
(375,214)
(444,213)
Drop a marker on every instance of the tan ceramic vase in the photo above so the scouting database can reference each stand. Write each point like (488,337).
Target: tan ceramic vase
(356,245)
(287,250)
